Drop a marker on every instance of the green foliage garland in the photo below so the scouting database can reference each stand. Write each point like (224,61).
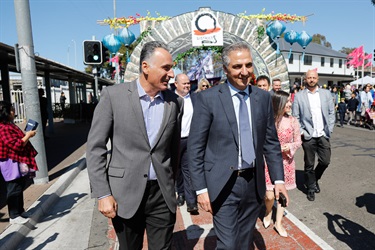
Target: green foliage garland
(195,51)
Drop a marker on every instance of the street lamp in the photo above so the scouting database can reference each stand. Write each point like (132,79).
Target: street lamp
(75,53)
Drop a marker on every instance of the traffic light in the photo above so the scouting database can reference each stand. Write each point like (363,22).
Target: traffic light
(373,55)
(92,52)
(105,54)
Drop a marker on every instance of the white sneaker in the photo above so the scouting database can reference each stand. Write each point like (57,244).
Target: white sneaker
(18,220)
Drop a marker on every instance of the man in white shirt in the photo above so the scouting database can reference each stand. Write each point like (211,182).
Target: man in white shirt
(314,109)
(184,188)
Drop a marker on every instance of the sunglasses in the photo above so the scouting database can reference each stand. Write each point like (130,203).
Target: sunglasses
(205,86)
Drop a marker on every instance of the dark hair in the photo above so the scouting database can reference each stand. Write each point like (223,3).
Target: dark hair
(148,49)
(298,88)
(263,77)
(279,100)
(233,47)
(5,109)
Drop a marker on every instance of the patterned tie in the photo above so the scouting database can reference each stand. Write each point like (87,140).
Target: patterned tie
(247,146)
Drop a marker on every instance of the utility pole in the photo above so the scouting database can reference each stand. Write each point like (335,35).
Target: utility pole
(30,84)
(75,54)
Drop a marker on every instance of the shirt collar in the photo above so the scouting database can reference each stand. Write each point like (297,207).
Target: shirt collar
(142,92)
(185,97)
(316,90)
(233,90)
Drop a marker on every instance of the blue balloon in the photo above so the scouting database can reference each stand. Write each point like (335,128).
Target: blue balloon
(112,43)
(304,39)
(126,37)
(268,30)
(276,29)
(291,37)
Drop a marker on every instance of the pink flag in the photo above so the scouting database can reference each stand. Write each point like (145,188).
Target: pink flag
(369,56)
(356,57)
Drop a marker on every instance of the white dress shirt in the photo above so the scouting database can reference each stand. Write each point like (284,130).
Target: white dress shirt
(187,116)
(316,113)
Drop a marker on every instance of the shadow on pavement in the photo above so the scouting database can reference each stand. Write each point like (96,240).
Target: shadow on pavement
(29,241)
(349,232)
(367,200)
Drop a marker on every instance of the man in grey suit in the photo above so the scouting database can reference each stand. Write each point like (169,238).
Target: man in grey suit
(232,130)
(142,121)
(314,109)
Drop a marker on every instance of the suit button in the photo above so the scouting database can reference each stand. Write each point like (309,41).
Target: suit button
(231,168)
(145,175)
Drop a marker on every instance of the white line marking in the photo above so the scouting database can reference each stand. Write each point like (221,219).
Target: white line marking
(319,241)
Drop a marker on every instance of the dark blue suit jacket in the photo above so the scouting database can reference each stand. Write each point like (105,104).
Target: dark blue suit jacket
(213,140)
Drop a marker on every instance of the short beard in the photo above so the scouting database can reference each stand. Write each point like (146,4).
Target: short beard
(311,87)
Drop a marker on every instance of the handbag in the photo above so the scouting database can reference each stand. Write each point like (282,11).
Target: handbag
(10,169)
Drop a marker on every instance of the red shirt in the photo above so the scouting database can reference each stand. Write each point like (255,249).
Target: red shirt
(11,146)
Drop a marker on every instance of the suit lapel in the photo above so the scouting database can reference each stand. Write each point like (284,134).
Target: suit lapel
(166,116)
(254,103)
(227,103)
(308,108)
(137,108)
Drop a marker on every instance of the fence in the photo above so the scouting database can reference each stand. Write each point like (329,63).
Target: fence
(19,105)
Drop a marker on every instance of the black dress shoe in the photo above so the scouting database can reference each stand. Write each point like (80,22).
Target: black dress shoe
(192,209)
(317,188)
(311,195)
(180,200)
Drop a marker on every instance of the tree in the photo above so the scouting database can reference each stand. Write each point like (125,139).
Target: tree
(346,50)
(320,39)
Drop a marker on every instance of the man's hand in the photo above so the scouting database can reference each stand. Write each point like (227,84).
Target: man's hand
(204,202)
(280,188)
(108,206)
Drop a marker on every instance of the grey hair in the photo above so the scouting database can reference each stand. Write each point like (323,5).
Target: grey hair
(148,49)
(233,47)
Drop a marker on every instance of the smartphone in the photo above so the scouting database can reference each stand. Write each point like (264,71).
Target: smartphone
(282,199)
(31,125)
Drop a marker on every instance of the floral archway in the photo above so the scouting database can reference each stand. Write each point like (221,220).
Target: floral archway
(176,32)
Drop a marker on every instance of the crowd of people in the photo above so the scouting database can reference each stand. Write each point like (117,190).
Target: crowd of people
(354,106)
(227,150)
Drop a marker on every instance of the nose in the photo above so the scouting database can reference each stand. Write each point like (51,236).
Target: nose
(244,71)
(171,73)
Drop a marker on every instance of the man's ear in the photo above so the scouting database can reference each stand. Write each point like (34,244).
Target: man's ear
(225,69)
(145,67)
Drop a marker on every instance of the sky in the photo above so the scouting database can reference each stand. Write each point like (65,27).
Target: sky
(59,27)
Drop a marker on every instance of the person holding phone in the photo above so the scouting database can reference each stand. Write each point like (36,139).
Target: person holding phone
(15,147)
(288,132)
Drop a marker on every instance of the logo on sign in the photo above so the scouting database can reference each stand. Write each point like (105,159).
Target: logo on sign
(206,30)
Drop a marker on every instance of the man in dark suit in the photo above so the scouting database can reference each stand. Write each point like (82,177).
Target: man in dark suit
(231,133)
(314,109)
(184,188)
(142,121)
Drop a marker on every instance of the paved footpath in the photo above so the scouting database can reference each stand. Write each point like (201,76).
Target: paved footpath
(63,216)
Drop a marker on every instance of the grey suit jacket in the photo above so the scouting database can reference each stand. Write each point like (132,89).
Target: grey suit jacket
(302,111)
(213,140)
(118,117)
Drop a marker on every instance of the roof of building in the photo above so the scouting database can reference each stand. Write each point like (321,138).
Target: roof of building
(312,49)
(54,69)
